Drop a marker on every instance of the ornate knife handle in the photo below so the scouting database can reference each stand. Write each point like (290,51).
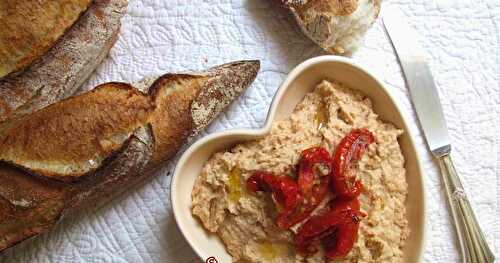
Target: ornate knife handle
(472,242)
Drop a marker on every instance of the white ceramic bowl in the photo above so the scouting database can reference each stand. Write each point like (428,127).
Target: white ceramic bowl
(298,83)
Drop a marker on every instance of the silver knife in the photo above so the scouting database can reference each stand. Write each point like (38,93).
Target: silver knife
(425,98)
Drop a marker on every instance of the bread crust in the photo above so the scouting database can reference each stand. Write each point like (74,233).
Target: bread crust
(337,26)
(175,107)
(63,68)
(179,90)
(331,7)
(30,28)
(95,125)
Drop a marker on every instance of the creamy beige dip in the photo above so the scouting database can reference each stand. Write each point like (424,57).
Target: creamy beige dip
(245,221)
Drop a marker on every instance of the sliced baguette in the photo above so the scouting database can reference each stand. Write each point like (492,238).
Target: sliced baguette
(62,69)
(126,132)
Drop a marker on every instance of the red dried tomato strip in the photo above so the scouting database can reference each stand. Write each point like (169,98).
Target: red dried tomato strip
(349,150)
(304,208)
(310,159)
(346,236)
(338,227)
(284,189)
(312,193)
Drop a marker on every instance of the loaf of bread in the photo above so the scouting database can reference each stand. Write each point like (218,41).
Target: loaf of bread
(57,73)
(335,25)
(87,148)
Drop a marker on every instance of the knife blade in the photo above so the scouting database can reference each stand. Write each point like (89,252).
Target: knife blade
(420,82)
(427,105)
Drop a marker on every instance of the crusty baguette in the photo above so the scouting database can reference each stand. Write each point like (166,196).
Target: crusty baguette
(91,146)
(62,69)
(30,28)
(337,26)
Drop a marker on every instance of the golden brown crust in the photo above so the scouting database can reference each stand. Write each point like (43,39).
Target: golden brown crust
(28,206)
(130,166)
(95,125)
(30,28)
(330,7)
(160,122)
(377,4)
(65,66)
(337,26)
(179,90)
(198,99)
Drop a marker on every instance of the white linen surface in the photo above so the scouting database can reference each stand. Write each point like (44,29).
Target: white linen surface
(461,38)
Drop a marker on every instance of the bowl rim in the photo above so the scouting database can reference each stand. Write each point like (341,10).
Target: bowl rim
(294,73)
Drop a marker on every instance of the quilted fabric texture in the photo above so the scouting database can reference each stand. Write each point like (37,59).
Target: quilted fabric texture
(157,36)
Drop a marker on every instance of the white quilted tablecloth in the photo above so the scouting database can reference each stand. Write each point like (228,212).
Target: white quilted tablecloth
(461,37)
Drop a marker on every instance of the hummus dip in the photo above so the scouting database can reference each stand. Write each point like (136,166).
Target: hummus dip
(245,221)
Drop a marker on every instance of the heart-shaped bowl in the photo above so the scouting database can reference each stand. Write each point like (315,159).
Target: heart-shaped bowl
(298,83)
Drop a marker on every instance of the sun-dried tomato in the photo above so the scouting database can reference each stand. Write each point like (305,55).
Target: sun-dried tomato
(285,190)
(298,199)
(313,161)
(337,230)
(349,150)
(308,202)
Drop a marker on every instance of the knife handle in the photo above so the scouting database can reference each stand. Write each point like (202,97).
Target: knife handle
(472,242)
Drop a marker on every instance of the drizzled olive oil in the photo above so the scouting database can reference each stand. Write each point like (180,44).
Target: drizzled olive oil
(321,116)
(236,189)
(270,251)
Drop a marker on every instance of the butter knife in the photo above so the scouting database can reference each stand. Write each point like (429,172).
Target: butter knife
(425,98)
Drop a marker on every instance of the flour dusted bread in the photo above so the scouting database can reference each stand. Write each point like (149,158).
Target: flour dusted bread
(335,25)
(76,48)
(94,145)
(97,124)
(30,28)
